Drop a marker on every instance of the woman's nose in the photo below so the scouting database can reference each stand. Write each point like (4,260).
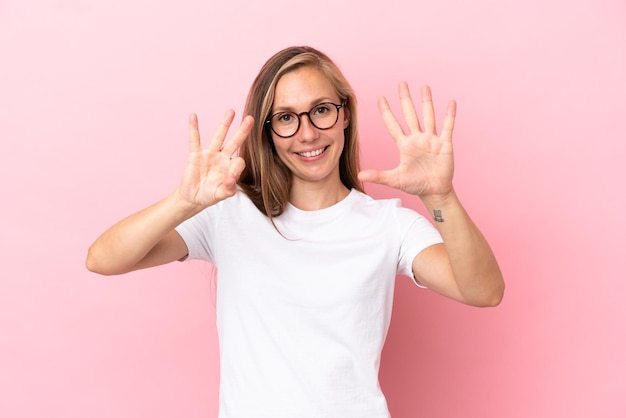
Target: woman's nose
(308,131)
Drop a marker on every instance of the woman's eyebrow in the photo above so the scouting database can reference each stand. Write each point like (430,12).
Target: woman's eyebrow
(312,103)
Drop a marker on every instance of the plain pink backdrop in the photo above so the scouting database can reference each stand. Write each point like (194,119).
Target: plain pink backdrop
(94,98)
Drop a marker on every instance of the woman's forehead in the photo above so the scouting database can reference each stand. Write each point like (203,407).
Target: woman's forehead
(303,87)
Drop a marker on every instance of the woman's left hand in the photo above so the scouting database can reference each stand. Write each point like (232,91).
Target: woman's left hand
(426,162)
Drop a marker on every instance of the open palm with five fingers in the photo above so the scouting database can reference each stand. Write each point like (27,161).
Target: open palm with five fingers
(211,173)
(426,163)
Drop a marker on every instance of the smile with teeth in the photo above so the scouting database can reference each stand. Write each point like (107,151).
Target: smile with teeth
(313,153)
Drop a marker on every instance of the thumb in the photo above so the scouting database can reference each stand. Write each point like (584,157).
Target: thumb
(376,176)
(236,166)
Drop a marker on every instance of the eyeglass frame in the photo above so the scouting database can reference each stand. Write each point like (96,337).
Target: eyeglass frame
(268,121)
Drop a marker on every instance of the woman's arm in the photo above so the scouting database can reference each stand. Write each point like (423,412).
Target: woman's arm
(464,267)
(144,239)
(148,238)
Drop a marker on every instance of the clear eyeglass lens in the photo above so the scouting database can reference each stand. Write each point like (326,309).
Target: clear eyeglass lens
(322,116)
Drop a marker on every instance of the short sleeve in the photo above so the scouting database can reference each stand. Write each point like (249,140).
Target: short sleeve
(417,234)
(196,232)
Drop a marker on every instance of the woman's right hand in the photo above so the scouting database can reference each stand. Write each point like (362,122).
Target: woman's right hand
(148,238)
(211,173)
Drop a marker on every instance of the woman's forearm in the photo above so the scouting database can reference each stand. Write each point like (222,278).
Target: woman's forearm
(134,242)
(473,263)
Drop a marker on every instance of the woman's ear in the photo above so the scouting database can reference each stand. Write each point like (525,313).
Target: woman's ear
(346,116)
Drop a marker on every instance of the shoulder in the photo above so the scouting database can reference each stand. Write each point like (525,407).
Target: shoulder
(236,203)
(389,208)
(237,207)
(360,199)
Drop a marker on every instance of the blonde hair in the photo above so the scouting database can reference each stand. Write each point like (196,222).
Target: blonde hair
(265,178)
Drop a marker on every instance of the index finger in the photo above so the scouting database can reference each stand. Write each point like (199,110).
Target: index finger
(239,136)
(391,123)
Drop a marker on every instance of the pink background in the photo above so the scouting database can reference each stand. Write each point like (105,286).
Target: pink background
(94,97)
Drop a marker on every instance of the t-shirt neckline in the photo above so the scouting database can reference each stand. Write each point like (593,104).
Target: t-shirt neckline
(326,213)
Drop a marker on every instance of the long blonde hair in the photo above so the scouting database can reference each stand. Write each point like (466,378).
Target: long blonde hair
(265,179)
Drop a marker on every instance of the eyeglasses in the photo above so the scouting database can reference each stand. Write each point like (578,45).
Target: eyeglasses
(323,116)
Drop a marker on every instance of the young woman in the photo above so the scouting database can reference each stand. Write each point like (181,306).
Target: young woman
(306,261)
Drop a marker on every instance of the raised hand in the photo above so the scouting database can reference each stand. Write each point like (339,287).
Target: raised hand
(426,163)
(211,173)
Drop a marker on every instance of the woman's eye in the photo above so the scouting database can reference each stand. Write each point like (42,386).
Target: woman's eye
(321,109)
(285,118)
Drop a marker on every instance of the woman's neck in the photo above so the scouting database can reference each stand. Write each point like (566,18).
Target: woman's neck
(316,196)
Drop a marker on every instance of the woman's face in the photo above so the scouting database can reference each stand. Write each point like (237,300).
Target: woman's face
(311,154)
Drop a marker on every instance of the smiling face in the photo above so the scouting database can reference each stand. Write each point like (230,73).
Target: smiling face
(312,155)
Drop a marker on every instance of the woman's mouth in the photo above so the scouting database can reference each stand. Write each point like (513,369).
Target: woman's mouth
(312,153)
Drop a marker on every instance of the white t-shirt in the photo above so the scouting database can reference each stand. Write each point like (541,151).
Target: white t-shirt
(302,318)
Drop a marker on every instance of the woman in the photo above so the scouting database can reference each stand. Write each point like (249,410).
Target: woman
(306,261)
